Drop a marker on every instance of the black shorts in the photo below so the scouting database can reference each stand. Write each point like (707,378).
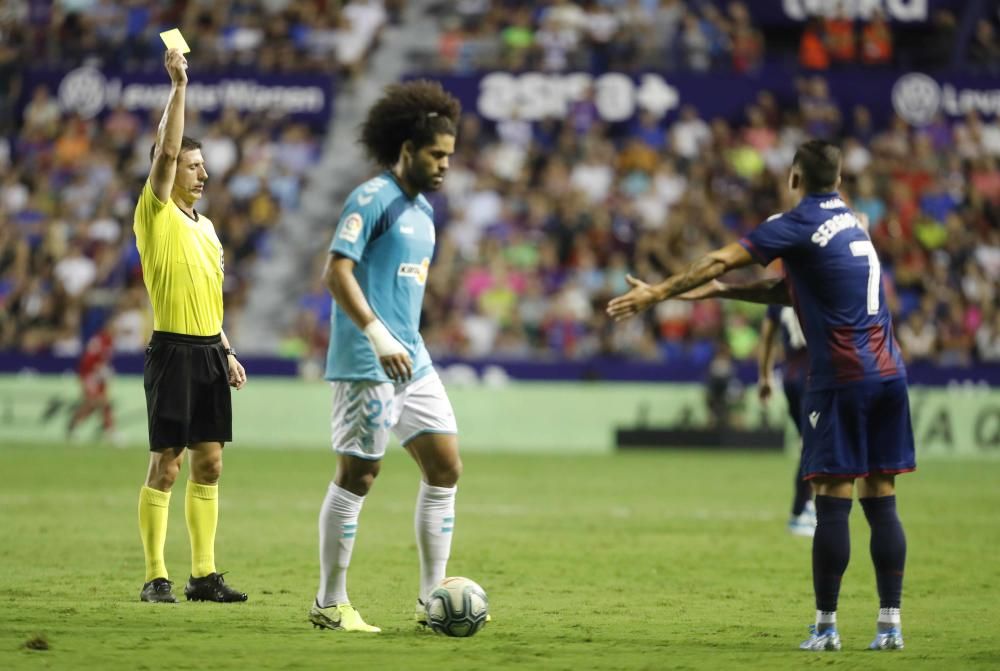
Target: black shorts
(187,390)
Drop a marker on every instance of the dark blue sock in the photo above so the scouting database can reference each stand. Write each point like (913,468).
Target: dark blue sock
(888,547)
(803,493)
(831,549)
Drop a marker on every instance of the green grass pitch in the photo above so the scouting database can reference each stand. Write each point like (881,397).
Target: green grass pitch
(641,561)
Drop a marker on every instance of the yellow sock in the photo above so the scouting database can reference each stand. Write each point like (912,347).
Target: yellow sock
(154,506)
(201,510)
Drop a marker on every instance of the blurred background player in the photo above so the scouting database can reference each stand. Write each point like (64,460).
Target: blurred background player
(724,392)
(793,379)
(378,366)
(95,372)
(189,364)
(856,406)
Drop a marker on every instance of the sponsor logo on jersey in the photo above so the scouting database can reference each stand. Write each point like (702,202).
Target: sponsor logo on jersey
(814,418)
(418,271)
(350,229)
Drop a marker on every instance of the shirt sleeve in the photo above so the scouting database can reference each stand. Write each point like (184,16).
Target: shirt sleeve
(771,240)
(357,223)
(145,212)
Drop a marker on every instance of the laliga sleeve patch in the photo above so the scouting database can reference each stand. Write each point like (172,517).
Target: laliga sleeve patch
(351,228)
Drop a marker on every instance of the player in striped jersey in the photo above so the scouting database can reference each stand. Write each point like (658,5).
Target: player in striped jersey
(856,406)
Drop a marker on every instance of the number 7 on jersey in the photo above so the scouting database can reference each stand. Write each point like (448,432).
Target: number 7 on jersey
(866,248)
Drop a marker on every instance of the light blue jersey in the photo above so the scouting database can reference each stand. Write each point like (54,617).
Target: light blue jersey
(391,238)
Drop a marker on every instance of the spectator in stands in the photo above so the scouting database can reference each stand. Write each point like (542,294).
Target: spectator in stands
(813,53)
(747,42)
(918,337)
(820,112)
(984,49)
(601,32)
(956,340)
(558,38)
(517,39)
(939,44)
(717,29)
(876,41)
(841,42)
(42,115)
(450,43)
(660,34)
(988,339)
(689,134)
(696,45)
(867,201)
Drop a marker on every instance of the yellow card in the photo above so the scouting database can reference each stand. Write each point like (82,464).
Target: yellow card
(174,40)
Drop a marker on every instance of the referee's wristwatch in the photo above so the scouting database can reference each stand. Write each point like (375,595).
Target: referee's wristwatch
(230,352)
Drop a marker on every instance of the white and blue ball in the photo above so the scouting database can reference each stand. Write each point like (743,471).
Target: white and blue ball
(457,607)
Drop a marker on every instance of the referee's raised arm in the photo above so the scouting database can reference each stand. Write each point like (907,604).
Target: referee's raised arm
(171,129)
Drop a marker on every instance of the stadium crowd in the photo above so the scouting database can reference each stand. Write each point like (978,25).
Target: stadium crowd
(622,35)
(691,35)
(283,36)
(68,185)
(539,223)
(67,251)
(542,221)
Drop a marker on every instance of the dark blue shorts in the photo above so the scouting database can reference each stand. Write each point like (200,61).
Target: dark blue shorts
(856,431)
(794,388)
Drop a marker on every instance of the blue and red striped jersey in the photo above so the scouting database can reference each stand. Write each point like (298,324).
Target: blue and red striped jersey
(835,281)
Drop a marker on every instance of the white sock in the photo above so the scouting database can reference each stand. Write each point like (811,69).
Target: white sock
(888,618)
(338,523)
(433,522)
(826,619)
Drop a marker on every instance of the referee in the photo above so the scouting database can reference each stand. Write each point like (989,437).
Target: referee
(189,364)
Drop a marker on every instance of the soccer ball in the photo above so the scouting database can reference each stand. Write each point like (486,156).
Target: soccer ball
(457,607)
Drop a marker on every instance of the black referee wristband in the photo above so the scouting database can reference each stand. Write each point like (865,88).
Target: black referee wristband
(230,351)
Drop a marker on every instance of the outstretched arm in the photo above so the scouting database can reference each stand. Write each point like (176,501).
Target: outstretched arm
(171,129)
(714,264)
(769,291)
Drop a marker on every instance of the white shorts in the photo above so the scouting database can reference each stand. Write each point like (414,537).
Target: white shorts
(364,411)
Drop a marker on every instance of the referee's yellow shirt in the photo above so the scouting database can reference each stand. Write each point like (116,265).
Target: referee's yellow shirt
(182,266)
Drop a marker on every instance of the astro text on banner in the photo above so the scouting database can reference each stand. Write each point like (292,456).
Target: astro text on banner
(617,97)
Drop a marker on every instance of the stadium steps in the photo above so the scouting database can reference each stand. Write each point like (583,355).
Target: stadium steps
(301,238)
